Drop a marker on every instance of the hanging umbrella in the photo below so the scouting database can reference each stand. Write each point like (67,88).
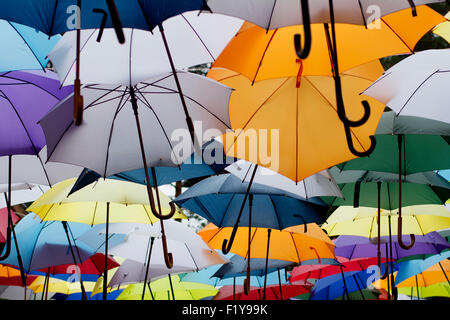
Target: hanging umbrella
(211,162)
(68,143)
(352,247)
(10,276)
(319,184)
(193,38)
(443,29)
(103,202)
(274,14)
(301,143)
(272,292)
(169,288)
(53,285)
(414,81)
(23,48)
(22,193)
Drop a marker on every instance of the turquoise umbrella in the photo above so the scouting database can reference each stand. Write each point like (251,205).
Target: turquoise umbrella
(23,48)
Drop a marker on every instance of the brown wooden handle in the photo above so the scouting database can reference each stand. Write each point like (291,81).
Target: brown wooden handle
(155,212)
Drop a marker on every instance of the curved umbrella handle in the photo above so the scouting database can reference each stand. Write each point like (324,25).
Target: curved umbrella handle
(168,257)
(302,53)
(386,266)
(351,147)
(399,237)
(413,8)
(317,254)
(161,216)
(227,244)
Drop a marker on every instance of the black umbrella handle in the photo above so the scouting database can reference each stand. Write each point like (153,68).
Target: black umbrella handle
(303,52)
(413,8)
(116,20)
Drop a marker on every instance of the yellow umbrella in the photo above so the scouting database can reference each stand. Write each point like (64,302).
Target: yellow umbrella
(127,201)
(301,114)
(362,221)
(259,54)
(443,29)
(105,201)
(169,288)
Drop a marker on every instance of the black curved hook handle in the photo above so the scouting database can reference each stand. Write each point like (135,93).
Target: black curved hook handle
(168,257)
(160,216)
(227,244)
(351,147)
(399,237)
(303,52)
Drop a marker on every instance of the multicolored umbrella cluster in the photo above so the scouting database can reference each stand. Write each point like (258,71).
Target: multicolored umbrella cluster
(304,166)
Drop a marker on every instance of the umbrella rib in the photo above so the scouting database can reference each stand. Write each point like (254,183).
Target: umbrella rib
(26,82)
(226,209)
(275,210)
(147,104)
(210,218)
(192,257)
(53,18)
(257,110)
(251,240)
(264,54)
(332,106)
(34,247)
(416,90)
(26,43)
(73,62)
(296,249)
(198,36)
(383,76)
(112,129)
(271,15)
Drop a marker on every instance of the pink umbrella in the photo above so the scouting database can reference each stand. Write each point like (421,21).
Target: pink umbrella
(4,223)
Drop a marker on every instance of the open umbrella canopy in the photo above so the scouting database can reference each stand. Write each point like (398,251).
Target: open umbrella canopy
(55,16)
(107,142)
(219,198)
(194,38)
(352,247)
(299,114)
(416,80)
(161,290)
(4,222)
(273,292)
(128,203)
(259,54)
(22,193)
(10,276)
(291,244)
(23,48)
(45,244)
(26,97)
(58,286)
(272,14)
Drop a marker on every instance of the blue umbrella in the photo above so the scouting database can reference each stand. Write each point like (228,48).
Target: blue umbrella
(213,161)
(219,198)
(23,48)
(445,174)
(342,284)
(412,267)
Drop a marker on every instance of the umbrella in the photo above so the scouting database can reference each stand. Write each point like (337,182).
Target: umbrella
(416,80)
(273,14)
(192,253)
(22,193)
(443,29)
(4,223)
(68,143)
(211,162)
(342,284)
(49,284)
(301,143)
(439,290)
(120,201)
(161,290)
(193,38)
(319,184)
(272,292)
(410,267)
(23,48)
(352,247)
(294,244)
(10,276)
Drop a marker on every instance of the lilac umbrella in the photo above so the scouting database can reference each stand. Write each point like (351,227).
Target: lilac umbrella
(353,247)
(25,97)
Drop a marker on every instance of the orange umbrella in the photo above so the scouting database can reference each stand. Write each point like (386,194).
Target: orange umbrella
(302,111)
(259,54)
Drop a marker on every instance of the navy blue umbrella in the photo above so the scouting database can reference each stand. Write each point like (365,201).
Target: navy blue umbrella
(213,161)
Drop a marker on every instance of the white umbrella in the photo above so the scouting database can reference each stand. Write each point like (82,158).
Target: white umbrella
(416,86)
(193,39)
(22,193)
(272,14)
(317,185)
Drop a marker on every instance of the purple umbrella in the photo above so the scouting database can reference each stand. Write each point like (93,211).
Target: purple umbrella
(25,97)
(353,247)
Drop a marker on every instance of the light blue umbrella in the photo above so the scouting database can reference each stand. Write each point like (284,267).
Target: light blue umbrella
(445,174)
(23,48)
(412,267)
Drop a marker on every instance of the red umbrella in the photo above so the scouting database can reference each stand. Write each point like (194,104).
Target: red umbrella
(256,293)
(94,265)
(4,222)
(10,276)
(320,271)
